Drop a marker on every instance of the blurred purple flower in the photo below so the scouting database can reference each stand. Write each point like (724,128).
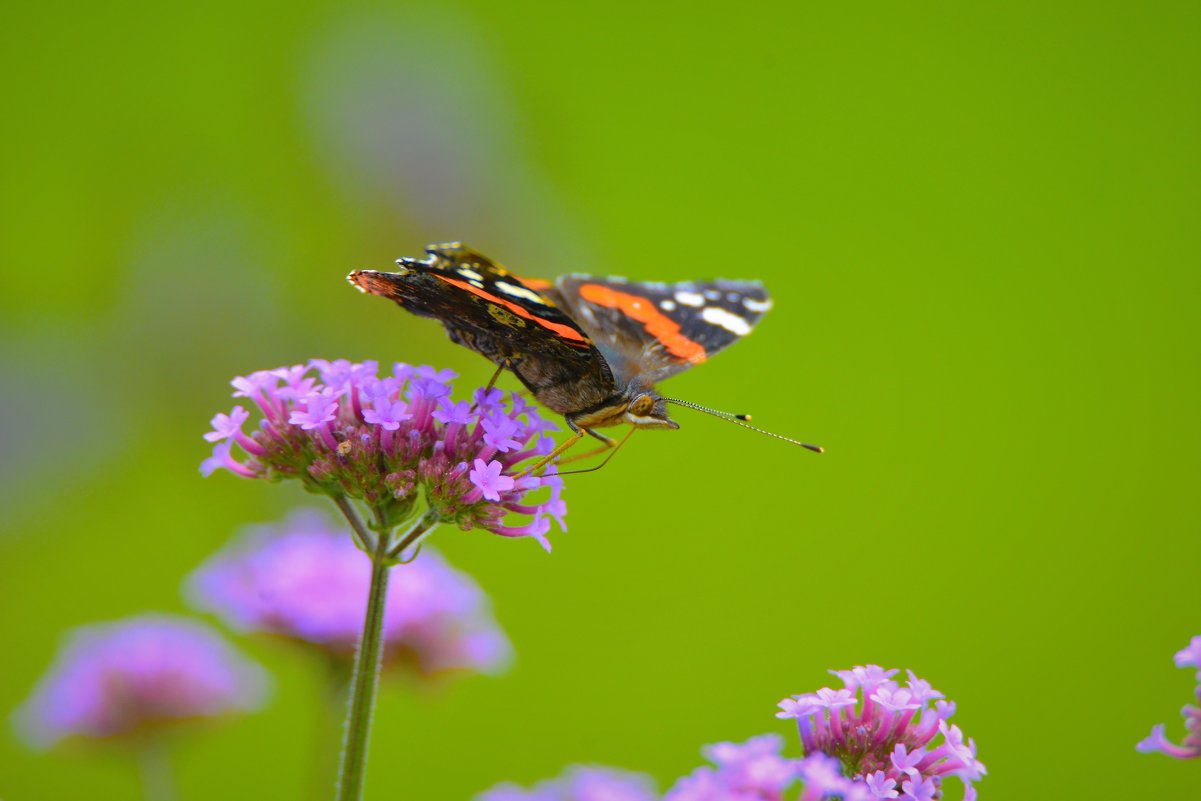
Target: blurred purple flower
(1190,748)
(305,580)
(145,673)
(755,771)
(580,783)
(343,430)
(888,745)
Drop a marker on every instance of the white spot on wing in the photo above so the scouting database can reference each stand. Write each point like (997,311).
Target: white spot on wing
(520,292)
(756,305)
(470,274)
(715,315)
(693,299)
(667,305)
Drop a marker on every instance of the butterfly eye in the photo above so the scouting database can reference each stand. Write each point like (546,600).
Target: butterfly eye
(642,405)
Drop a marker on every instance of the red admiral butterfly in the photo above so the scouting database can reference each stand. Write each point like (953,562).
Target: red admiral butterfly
(591,349)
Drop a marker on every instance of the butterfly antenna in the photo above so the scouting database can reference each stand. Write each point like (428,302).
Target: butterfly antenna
(741,420)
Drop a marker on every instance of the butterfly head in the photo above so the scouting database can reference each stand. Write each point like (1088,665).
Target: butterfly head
(647,409)
(639,405)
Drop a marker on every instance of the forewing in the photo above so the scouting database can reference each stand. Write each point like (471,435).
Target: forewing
(486,308)
(656,329)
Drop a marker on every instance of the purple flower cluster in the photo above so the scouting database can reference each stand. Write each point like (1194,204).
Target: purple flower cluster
(305,580)
(755,771)
(1191,747)
(344,430)
(137,675)
(580,784)
(885,735)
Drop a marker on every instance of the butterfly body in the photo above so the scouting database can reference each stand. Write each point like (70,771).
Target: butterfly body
(591,349)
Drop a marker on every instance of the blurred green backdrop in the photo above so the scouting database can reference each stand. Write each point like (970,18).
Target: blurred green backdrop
(979,223)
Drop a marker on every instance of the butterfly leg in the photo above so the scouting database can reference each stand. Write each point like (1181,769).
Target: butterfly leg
(500,368)
(609,444)
(615,448)
(576,436)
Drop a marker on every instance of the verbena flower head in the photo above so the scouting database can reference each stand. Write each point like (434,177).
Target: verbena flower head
(580,783)
(893,739)
(344,430)
(755,771)
(305,580)
(1190,748)
(142,674)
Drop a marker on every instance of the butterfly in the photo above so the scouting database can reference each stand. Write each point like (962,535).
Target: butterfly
(592,349)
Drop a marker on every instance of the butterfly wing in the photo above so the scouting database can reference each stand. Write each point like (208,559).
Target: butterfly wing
(489,310)
(656,330)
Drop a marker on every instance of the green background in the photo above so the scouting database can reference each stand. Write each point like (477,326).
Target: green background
(979,225)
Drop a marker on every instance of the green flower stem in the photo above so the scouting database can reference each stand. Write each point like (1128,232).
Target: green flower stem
(365,679)
(362,537)
(414,536)
(366,673)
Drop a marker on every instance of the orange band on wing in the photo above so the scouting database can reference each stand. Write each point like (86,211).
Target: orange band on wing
(659,325)
(536,284)
(558,329)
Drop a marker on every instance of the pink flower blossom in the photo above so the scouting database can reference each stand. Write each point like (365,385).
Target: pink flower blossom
(343,430)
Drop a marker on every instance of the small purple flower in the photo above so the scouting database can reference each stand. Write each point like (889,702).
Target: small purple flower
(493,398)
(890,741)
(869,676)
(1158,741)
(460,412)
(921,689)
(835,699)
(499,433)
(580,783)
(118,679)
(222,459)
(920,790)
(344,431)
(304,579)
(228,425)
(319,408)
(444,376)
(488,478)
(1190,747)
(881,786)
(387,413)
(1190,655)
(255,385)
(800,706)
(897,700)
(906,761)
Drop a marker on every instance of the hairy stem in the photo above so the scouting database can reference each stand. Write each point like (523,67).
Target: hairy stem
(366,676)
(414,535)
(362,536)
